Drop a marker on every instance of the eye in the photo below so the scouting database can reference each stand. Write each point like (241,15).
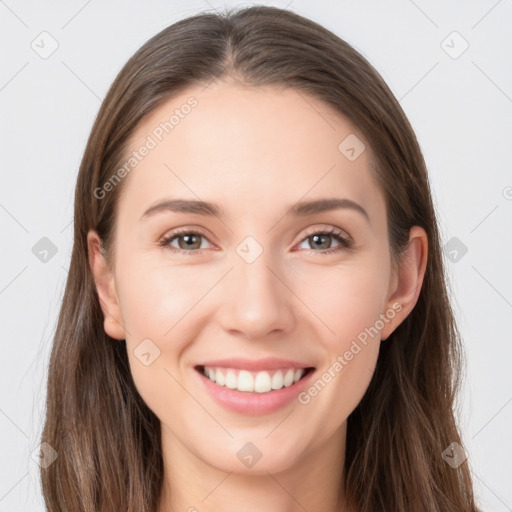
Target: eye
(323,239)
(188,241)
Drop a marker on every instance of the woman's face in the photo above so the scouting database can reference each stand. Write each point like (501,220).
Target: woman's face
(257,284)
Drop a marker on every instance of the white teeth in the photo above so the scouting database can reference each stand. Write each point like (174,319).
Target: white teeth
(298,374)
(277,380)
(288,378)
(219,378)
(262,383)
(245,381)
(231,380)
(258,382)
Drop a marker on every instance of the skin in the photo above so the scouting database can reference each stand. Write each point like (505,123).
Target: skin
(254,151)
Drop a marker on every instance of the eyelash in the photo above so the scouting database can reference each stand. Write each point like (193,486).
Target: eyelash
(345,243)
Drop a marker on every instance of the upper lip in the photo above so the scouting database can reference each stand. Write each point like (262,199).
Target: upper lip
(268,363)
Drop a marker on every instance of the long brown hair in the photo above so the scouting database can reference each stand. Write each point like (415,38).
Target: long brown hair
(107,439)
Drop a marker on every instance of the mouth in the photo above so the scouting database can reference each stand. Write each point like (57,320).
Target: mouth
(263,381)
(254,387)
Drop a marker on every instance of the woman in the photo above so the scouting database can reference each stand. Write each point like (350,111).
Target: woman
(256,314)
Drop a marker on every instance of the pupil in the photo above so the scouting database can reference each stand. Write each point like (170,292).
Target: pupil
(316,238)
(189,240)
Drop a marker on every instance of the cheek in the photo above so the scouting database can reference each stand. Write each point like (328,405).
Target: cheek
(157,298)
(346,301)
(157,303)
(158,334)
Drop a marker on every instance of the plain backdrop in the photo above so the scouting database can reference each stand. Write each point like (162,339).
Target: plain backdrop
(448,63)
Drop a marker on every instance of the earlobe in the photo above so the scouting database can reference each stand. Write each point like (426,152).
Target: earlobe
(105,288)
(408,279)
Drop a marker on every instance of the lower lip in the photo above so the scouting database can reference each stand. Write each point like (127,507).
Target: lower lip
(252,403)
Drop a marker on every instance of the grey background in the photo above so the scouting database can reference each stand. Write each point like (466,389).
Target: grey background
(459,106)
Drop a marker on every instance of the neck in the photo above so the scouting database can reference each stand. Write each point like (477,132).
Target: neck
(313,481)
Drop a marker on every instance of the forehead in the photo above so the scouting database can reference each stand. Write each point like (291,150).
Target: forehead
(247,147)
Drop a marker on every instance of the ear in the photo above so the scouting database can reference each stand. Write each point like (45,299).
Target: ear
(105,287)
(406,281)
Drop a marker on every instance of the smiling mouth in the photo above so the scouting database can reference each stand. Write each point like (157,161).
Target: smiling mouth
(253,382)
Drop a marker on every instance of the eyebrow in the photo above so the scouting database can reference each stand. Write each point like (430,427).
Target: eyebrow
(300,209)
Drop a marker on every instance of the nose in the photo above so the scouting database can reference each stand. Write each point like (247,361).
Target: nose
(257,301)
